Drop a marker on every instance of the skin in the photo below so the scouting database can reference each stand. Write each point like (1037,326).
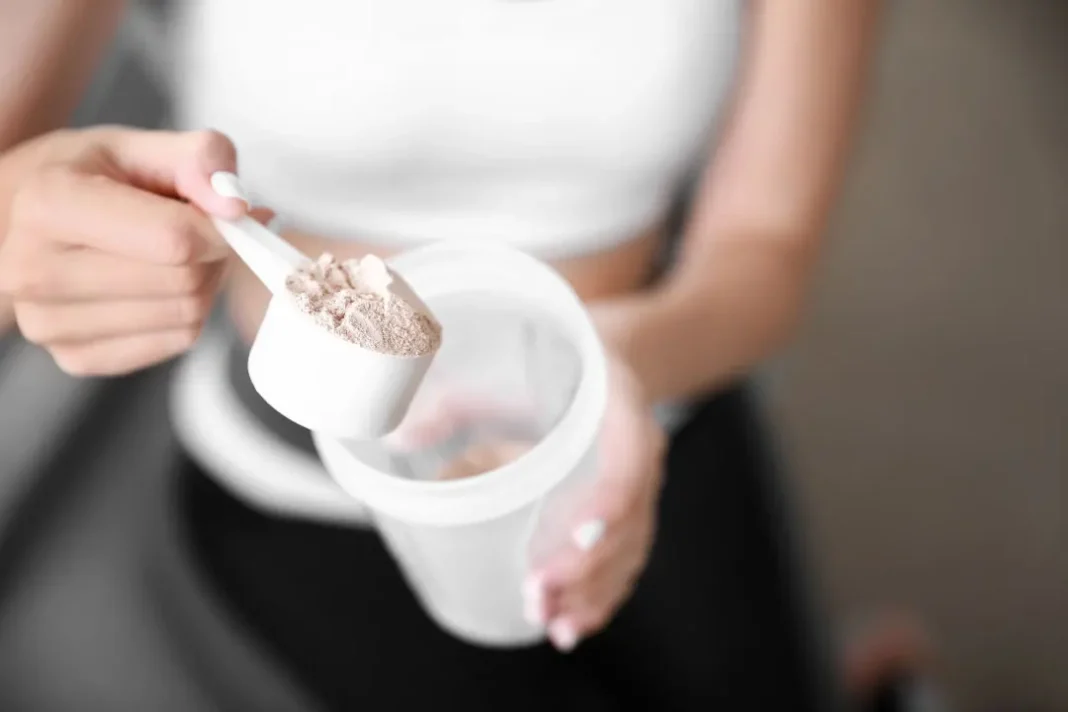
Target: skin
(737,292)
(48,49)
(111,271)
(482,458)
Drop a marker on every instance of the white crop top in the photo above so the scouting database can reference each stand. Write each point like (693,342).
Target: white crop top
(559,126)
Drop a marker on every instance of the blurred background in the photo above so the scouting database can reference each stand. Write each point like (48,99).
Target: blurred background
(926,405)
(924,410)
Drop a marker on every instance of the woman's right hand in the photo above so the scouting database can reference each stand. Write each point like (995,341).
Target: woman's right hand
(110,259)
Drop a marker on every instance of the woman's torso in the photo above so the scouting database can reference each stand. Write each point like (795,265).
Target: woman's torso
(563,127)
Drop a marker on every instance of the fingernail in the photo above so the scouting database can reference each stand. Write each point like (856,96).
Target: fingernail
(588,534)
(227,185)
(563,635)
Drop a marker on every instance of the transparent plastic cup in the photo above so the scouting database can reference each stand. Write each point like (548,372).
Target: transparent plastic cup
(520,364)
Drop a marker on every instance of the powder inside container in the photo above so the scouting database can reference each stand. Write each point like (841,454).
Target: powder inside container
(352,300)
(482,458)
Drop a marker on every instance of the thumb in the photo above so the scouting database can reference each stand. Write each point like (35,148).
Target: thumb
(179,164)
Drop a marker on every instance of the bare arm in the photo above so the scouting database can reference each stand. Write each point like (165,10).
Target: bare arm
(737,291)
(48,51)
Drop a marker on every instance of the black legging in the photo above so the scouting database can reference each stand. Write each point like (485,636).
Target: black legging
(713,625)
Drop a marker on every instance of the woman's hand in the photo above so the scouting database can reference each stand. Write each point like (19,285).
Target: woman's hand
(7,314)
(109,258)
(579,591)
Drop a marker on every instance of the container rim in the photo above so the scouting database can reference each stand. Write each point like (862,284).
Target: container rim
(448,268)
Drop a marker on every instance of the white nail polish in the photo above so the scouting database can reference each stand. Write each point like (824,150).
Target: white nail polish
(588,534)
(227,185)
(563,635)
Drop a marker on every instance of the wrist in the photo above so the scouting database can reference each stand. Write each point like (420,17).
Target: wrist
(627,326)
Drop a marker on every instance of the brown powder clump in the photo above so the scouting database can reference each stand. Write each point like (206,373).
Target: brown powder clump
(351,299)
(485,457)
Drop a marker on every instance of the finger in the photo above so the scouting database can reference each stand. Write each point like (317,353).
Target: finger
(88,275)
(547,589)
(568,630)
(44,323)
(597,546)
(595,552)
(538,604)
(564,634)
(573,566)
(426,423)
(436,416)
(579,620)
(600,528)
(601,587)
(585,608)
(179,163)
(79,210)
(123,354)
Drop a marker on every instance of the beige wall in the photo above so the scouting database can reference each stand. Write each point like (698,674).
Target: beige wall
(927,403)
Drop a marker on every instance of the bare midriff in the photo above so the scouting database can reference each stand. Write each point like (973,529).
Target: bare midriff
(614,271)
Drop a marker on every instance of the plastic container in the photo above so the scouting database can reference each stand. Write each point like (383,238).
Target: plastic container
(466,545)
(327,384)
(309,375)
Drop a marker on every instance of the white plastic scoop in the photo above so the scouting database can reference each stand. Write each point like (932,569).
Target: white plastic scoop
(303,371)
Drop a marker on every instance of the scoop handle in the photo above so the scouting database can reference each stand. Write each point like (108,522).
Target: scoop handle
(270,257)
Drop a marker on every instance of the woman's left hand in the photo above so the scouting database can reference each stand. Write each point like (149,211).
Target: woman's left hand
(579,590)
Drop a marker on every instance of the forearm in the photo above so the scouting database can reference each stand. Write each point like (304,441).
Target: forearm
(688,336)
(48,52)
(737,290)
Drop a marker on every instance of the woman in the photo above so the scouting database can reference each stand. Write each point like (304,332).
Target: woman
(567,127)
